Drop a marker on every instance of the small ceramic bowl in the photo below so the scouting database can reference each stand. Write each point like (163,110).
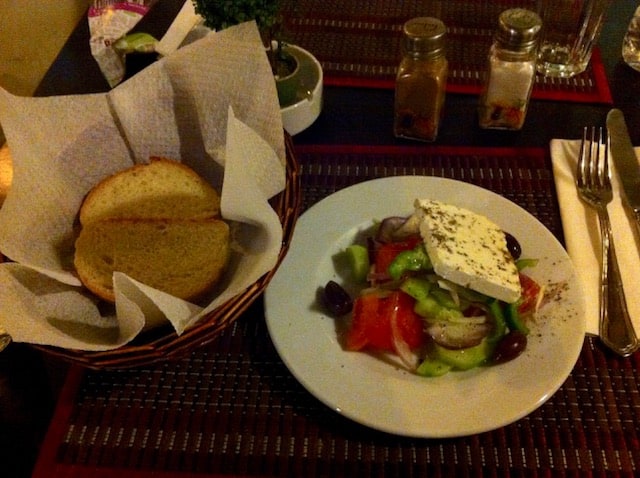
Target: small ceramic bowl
(301,92)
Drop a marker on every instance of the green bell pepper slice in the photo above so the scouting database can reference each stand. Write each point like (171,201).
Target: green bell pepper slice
(513,319)
(413,260)
(499,321)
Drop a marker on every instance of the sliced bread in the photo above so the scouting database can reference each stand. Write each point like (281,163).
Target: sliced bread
(182,257)
(161,189)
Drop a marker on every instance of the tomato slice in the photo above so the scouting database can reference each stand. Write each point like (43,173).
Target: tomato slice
(410,324)
(530,295)
(371,325)
(368,326)
(386,253)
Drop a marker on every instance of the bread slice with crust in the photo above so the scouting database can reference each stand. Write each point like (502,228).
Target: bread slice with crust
(160,224)
(183,257)
(161,189)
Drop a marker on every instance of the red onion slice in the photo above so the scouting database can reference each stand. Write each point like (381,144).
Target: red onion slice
(459,334)
(400,346)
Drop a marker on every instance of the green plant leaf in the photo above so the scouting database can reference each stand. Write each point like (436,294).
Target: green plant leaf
(220,14)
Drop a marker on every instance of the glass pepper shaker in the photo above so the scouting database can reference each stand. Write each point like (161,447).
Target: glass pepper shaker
(421,80)
(510,71)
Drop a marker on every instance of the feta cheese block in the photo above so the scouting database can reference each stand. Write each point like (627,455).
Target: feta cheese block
(468,249)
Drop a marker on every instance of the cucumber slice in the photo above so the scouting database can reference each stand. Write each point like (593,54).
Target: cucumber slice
(359,261)
(433,368)
(463,359)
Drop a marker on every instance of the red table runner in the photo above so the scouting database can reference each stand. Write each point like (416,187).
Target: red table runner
(232,408)
(358,43)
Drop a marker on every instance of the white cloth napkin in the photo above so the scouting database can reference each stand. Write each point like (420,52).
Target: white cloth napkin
(582,234)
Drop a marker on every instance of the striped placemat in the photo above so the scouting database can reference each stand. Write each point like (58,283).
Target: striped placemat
(358,43)
(231,408)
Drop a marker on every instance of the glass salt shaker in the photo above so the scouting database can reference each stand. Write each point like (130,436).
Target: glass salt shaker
(510,71)
(421,80)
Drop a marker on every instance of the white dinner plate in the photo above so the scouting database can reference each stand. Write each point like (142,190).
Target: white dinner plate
(377,392)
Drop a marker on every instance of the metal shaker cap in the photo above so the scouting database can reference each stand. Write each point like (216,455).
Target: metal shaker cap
(424,36)
(518,29)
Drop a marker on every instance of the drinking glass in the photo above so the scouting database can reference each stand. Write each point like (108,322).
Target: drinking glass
(570,29)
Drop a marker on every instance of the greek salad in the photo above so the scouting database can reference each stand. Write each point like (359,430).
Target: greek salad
(433,324)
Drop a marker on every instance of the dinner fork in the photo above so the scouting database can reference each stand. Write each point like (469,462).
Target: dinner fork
(594,186)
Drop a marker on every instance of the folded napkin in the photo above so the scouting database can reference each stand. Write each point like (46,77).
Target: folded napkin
(582,234)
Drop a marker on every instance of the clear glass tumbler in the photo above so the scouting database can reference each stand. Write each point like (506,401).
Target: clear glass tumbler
(570,29)
(631,42)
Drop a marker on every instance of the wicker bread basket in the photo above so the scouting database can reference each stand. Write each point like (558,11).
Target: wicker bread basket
(163,343)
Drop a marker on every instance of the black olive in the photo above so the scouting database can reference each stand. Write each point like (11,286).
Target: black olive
(509,347)
(336,299)
(513,246)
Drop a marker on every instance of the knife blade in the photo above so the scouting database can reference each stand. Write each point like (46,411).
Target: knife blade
(625,160)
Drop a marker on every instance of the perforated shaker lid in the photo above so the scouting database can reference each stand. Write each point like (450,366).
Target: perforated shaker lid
(424,35)
(518,29)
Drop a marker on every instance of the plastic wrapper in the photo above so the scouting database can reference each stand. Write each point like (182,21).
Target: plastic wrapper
(110,22)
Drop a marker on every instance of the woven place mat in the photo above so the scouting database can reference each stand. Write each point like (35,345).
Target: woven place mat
(233,409)
(358,43)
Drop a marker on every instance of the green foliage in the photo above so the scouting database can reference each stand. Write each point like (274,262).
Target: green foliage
(219,14)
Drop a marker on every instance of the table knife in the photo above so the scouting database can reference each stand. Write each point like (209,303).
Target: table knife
(625,160)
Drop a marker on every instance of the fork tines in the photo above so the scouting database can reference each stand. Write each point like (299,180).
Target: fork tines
(593,172)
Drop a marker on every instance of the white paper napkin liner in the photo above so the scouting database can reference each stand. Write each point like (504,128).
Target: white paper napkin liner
(43,139)
(154,307)
(47,304)
(238,90)
(258,186)
(144,105)
(186,20)
(582,234)
(243,143)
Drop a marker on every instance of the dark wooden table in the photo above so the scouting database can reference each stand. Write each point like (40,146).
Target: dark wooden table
(30,382)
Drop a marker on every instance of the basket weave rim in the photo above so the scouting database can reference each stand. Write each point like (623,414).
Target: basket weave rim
(166,344)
